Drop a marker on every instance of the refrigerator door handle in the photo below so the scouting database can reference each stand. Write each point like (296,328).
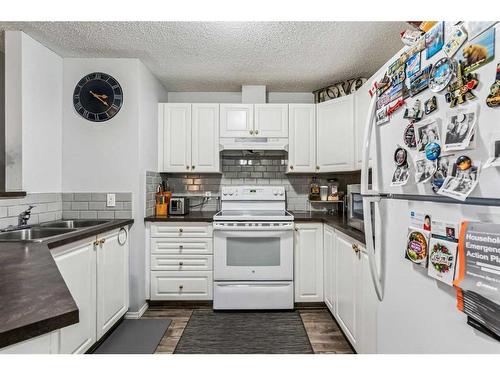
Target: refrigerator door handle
(370,245)
(365,161)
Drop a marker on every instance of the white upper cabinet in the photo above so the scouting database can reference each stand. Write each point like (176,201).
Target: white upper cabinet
(176,137)
(205,138)
(335,135)
(236,120)
(302,138)
(190,138)
(271,120)
(361,104)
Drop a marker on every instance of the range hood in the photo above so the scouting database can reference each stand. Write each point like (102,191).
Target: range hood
(257,143)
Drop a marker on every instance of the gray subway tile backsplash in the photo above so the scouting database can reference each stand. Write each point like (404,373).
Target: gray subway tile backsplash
(92,205)
(48,207)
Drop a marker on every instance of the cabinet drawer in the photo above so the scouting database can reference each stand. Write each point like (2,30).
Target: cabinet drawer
(176,230)
(181,285)
(181,246)
(181,263)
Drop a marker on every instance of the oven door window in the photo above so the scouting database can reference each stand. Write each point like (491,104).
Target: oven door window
(357,206)
(252,252)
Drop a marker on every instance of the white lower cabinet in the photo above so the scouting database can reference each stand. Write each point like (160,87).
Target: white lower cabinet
(112,279)
(77,264)
(349,293)
(44,344)
(181,262)
(308,262)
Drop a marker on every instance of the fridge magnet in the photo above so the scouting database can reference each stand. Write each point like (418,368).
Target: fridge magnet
(399,75)
(432,151)
(441,74)
(397,91)
(434,40)
(494,159)
(420,220)
(400,156)
(414,113)
(409,136)
(461,89)
(424,169)
(477,27)
(382,101)
(478,52)
(442,260)
(383,85)
(463,180)
(443,169)
(493,99)
(457,38)
(420,81)
(381,116)
(410,37)
(459,128)
(430,105)
(417,246)
(401,175)
(413,65)
(391,70)
(395,106)
(426,132)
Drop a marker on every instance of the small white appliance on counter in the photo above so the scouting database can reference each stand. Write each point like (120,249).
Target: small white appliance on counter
(253,249)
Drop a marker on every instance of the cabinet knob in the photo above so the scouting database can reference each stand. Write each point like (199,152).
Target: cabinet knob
(181,263)
(317,167)
(256,132)
(181,247)
(192,167)
(291,167)
(187,166)
(181,230)
(251,131)
(181,286)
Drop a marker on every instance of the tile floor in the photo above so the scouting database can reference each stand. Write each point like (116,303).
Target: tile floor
(324,333)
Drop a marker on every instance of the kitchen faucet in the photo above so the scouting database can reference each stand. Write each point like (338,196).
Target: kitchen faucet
(22,219)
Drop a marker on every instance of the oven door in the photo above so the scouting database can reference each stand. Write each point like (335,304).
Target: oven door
(253,251)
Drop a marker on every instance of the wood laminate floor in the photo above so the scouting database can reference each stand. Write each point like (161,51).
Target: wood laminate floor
(324,334)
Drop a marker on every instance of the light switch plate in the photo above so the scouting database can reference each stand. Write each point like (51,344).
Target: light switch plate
(110,200)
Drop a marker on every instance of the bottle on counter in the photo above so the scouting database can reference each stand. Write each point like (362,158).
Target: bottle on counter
(314,193)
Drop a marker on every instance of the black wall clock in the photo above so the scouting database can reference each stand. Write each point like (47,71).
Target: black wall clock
(98,97)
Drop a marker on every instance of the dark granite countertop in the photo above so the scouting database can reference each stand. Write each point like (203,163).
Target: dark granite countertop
(34,299)
(206,216)
(337,222)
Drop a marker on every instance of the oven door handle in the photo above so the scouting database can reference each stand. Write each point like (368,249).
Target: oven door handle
(245,228)
(258,285)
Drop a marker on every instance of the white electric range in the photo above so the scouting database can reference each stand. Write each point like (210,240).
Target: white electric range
(253,249)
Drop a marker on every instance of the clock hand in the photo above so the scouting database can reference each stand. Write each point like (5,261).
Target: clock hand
(99,97)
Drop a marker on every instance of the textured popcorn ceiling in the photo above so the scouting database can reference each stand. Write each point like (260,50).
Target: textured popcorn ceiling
(222,56)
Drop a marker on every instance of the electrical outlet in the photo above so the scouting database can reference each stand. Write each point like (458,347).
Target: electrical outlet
(208,194)
(110,200)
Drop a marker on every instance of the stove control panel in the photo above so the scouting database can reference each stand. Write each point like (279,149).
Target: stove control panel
(251,193)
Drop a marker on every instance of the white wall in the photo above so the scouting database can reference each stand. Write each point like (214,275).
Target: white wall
(33,115)
(2,121)
(114,155)
(235,97)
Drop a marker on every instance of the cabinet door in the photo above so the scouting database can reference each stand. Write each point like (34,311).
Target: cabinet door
(205,138)
(329,268)
(335,135)
(366,310)
(77,265)
(302,138)
(112,279)
(271,120)
(177,138)
(361,104)
(346,278)
(236,120)
(44,344)
(308,262)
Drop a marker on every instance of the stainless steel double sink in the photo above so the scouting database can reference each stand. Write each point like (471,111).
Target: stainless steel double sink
(44,231)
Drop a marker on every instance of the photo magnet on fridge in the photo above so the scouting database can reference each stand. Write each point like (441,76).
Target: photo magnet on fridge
(459,128)
(457,38)
(443,170)
(442,260)
(415,113)
(409,136)
(420,81)
(420,220)
(413,65)
(434,40)
(430,105)
(446,230)
(478,52)
(426,132)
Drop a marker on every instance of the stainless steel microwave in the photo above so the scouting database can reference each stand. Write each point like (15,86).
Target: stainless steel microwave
(354,203)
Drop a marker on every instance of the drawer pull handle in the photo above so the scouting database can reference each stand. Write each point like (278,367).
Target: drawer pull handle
(181,263)
(181,286)
(181,247)
(181,230)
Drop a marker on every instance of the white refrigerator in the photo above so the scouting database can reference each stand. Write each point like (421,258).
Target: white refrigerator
(416,313)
